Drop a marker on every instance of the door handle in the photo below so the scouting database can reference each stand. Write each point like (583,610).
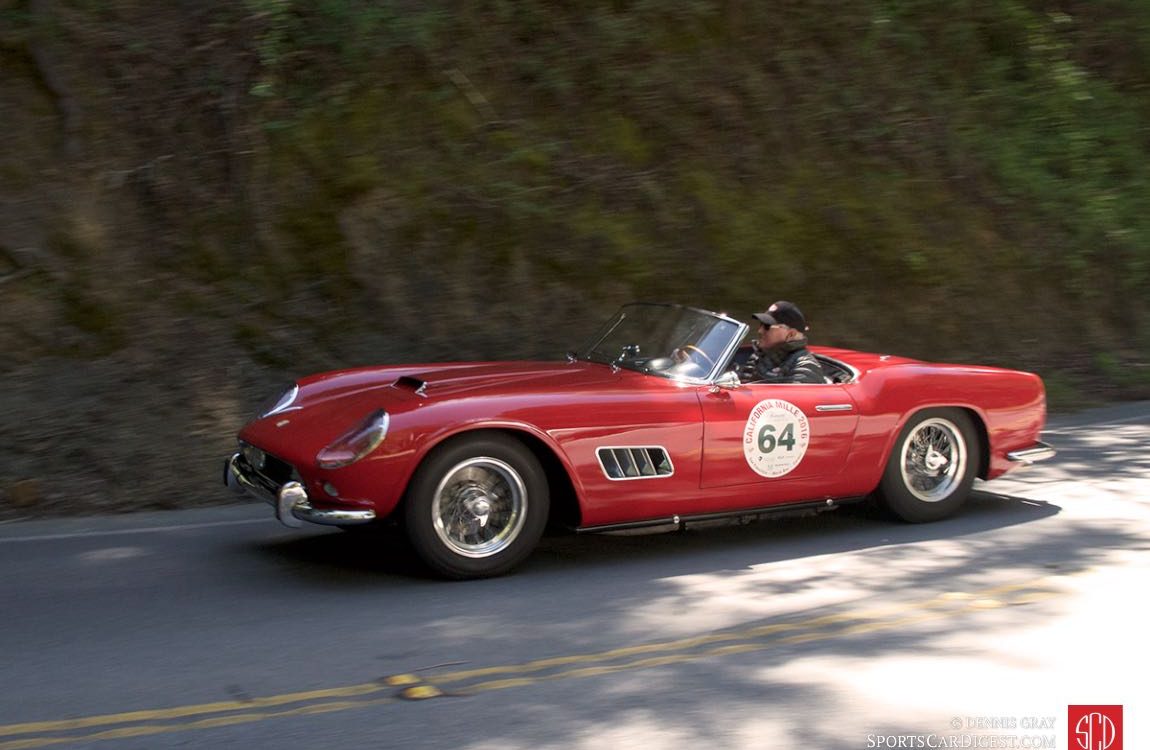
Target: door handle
(834,407)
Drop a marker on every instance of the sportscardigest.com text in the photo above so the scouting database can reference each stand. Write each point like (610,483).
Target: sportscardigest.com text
(973,741)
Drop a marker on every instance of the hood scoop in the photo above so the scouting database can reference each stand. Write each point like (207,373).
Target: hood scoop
(408,383)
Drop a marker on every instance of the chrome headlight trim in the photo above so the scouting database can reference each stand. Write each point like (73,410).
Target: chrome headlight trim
(284,402)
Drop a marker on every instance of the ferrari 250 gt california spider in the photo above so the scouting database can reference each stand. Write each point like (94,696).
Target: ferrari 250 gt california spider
(648,424)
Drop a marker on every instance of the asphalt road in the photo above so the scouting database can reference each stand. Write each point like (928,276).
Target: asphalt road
(220,629)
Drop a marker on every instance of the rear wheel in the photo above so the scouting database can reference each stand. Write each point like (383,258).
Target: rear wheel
(932,467)
(477,506)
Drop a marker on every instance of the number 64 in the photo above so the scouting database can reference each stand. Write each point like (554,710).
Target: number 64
(768,442)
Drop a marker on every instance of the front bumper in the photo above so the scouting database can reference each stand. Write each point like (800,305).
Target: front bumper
(290,500)
(1038,452)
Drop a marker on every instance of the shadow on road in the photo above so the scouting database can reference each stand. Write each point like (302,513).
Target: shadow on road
(377,555)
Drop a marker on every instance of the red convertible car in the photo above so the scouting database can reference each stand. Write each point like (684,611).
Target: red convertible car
(649,424)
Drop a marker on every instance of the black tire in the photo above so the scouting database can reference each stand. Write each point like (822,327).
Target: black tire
(477,506)
(931,467)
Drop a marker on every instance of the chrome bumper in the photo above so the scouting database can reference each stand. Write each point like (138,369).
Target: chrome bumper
(290,501)
(1039,452)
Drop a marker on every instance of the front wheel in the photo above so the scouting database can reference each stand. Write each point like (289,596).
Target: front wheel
(477,506)
(932,466)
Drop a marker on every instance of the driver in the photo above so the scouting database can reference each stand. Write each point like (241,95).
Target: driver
(780,353)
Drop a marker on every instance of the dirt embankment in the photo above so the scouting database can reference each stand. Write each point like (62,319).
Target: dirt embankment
(198,202)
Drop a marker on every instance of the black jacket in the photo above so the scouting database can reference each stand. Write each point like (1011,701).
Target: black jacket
(789,362)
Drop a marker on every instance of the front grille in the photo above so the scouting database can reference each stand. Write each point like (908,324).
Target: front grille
(278,471)
(635,463)
(268,470)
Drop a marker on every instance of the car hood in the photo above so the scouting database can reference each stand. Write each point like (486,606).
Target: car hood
(329,403)
(439,381)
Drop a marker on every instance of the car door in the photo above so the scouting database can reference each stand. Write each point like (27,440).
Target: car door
(785,442)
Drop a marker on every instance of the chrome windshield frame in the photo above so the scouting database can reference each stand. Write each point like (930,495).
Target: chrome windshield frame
(721,362)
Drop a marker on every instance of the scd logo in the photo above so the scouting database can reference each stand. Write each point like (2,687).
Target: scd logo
(1095,727)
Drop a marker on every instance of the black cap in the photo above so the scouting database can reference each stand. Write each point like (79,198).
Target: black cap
(785,313)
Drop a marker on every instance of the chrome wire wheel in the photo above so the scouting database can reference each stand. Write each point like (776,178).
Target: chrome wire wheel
(479,507)
(934,460)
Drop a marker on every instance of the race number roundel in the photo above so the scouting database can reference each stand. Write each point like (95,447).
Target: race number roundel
(776,437)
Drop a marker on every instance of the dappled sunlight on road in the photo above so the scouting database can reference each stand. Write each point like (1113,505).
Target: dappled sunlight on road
(987,629)
(1116,451)
(814,631)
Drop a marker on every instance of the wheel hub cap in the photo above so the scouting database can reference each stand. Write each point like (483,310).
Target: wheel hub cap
(934,460)
(479,507)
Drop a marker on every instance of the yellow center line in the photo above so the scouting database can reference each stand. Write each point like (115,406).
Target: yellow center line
(696,641)
(666,652)
(728,650)
(145,730)
(180,712)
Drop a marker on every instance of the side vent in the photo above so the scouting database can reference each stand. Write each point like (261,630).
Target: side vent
(635,463)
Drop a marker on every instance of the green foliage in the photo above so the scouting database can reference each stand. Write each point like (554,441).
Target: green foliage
(1065,143)
(953,155)
(908,144)
(1135,376)
(308,42)
(1064,393)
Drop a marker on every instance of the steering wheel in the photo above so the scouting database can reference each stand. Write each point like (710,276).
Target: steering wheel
(692,349)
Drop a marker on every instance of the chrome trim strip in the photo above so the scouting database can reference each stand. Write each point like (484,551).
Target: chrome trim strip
(782,509)
(1040,452)
(834,407)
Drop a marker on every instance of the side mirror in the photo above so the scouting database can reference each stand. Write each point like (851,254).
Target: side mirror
(728,381)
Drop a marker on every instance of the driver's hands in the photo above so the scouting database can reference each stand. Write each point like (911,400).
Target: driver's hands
(680,355)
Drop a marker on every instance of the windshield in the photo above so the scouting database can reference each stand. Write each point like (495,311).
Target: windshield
(666,340)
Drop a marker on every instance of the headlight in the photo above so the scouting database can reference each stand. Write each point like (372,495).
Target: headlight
(256,458)
(356,442)
(278,404)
